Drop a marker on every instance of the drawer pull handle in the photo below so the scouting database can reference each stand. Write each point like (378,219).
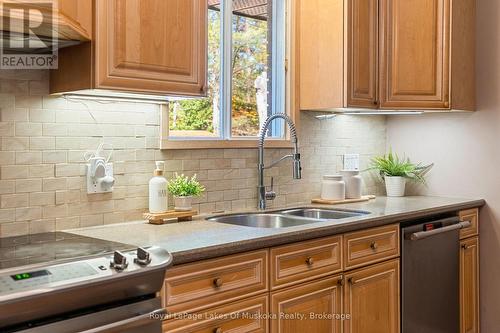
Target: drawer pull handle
(374,245)
(218,282)
(218,330)
(309,261)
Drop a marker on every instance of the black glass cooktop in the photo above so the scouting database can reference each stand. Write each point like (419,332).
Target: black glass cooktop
(52,246)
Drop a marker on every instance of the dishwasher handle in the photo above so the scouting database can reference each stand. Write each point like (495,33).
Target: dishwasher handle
(425,234)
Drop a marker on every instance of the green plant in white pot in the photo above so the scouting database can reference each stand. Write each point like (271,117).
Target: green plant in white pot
(184,189)
(395,171)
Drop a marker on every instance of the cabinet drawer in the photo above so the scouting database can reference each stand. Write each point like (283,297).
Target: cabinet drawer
(370,246)
(295,263)
(209,283)
(248,316)
(471,215)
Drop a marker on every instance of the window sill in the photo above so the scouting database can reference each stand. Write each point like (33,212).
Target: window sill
(222,144)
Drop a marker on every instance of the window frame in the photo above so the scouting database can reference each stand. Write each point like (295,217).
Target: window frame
(289,99)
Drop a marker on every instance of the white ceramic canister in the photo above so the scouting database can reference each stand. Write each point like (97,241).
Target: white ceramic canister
(353,183)
(332,188)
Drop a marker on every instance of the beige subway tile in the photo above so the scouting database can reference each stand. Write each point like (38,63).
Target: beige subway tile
(39,226)
(42,116)
(55,156)
(7,157)
(28,129)
(54,211)
(42,143)
(72,196)
(68,170)
(42,198)
(28,213)
(207,207)
(14,229)
(51,129)
(13,200)
(68,143)
(215,196)
(75,183)
(54,183)
(230,195)
(7,186)
(238,163)
(14,171)
(15,143)
(63,223)
(115,217)
(28,185)
(14,114)
(54,102)
(7,129)
(28,157)
(7,215)
(27,101)
(76,156)
(91,220)
(41,171)
(38,88)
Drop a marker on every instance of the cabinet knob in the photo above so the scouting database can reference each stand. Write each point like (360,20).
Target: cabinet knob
(340,281)
(218,282)
(218,330)
(310,261)
(464,246)
(375,102)
(351,280)
(374,245)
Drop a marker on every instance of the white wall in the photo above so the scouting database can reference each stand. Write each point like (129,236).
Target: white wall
(466,151)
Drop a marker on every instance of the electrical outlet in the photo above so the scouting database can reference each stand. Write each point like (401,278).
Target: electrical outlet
(351,161)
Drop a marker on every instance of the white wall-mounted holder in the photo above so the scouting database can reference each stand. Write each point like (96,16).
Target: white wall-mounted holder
(99,172)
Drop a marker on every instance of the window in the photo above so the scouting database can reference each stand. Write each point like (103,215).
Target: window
(246,75)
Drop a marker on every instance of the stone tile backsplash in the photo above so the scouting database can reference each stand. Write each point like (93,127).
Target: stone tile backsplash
(44,138)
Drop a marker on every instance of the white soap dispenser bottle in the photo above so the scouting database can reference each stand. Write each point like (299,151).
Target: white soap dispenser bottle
(158,196)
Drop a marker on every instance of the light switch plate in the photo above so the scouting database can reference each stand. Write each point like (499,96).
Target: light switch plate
(350,161)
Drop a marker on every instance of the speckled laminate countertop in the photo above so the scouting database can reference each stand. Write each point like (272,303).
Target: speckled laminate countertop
(202,239)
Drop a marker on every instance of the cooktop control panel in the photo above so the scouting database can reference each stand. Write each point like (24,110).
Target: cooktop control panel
(27,279)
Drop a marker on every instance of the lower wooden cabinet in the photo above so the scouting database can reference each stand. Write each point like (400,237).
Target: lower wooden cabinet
(371,297)
(247,316)
(469,285)
(292,308)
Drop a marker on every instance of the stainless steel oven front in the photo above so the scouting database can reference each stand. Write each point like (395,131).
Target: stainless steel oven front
(143,316)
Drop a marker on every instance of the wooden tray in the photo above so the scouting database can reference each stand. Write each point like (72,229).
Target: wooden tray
(337,202)
(181,216)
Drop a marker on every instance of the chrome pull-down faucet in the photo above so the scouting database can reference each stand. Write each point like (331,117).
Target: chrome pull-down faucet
(263,194)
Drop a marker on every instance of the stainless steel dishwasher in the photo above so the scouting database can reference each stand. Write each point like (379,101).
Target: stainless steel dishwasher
(430,276)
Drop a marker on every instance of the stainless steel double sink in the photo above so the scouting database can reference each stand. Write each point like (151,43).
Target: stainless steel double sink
(287,217)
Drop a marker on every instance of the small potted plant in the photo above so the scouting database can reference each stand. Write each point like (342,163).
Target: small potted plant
(395,171)
(184,189)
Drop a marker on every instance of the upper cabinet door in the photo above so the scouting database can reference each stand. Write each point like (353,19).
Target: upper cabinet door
(362,53)
(414,44)
(155,46)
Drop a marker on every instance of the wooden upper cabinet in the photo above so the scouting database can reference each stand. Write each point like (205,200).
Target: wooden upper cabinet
(320,53)
(386,54)
(151,45)
(362,53)
(144,46)
(371,296)
(414,66)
